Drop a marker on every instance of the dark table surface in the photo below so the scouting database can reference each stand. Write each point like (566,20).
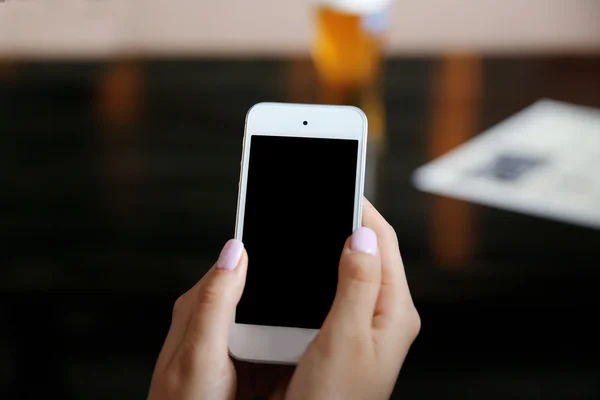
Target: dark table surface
(119,188)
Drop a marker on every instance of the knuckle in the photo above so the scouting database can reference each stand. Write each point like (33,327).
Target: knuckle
(360,268)
(208,296)
(412,323)
(211,295)
(390,231)
(179,306)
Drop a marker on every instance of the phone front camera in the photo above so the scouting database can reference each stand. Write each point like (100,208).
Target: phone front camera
(305,123)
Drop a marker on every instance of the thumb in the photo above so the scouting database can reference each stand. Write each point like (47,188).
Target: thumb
(359,281)
(217,296)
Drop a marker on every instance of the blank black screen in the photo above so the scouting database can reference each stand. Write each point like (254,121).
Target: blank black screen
(299,212)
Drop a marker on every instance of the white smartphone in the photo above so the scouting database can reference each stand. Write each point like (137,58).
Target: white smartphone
(300,197)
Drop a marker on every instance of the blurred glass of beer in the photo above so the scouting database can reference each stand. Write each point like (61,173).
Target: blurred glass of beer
(347,52)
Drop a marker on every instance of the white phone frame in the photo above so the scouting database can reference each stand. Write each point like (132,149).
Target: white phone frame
(284,345)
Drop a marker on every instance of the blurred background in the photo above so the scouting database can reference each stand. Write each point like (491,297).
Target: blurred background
(121,125)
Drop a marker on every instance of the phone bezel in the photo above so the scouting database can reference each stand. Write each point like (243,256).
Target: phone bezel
(284,345)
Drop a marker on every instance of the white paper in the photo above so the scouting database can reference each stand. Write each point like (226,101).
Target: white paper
(543,161)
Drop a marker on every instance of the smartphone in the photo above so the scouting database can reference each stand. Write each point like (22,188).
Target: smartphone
(300,197)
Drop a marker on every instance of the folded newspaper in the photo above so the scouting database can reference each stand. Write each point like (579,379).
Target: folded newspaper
(543,161)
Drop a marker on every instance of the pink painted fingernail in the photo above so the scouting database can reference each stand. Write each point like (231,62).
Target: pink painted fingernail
(364,240)
(230,255)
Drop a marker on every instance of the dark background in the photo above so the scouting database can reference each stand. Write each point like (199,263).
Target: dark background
(119,187)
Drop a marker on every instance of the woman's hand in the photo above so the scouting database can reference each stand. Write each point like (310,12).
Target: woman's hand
(371,326)
(356,355)
(194,362)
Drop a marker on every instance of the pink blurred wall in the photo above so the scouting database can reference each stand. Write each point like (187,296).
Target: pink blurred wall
(417,26)
(267,27)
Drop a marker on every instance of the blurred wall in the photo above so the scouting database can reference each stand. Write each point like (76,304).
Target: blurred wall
(266,27)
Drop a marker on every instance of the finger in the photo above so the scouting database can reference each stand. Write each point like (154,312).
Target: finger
(179,323)
(213,304)
(182,310)
(359,280)
(394,292)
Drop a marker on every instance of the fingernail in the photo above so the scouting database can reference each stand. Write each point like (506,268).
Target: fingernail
(230,255)
(364,240)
